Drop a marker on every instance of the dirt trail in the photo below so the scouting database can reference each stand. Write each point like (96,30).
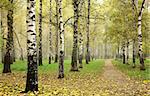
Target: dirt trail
(112,73)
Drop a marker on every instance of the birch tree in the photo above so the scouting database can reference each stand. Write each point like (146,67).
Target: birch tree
(50,33)
(74,65)
(134,7)
(88,34)
(127,52)
(32,72)
(81,29)
(62,43)
(57,33)
(40,34)
(123,54)
(8,58)
(141,57)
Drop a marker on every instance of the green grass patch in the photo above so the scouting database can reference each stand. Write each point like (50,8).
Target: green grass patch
(93,67)
(134,72)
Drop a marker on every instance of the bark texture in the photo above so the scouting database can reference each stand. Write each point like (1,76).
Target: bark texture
(40,34)
(134,7)
(81,29)
(141,57)
(32,72)
(61,35)
(50,33)
(57,33)
(123,54)
(8,58)
(88,34)
(127,53)
(74,65)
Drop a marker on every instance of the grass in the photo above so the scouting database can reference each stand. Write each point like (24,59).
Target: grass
(92,67)
(134,72)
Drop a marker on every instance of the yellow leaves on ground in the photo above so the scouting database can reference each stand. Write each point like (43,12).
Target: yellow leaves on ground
(146,81)
(74,84)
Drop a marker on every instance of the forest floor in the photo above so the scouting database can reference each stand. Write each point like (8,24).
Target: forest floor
(107,82)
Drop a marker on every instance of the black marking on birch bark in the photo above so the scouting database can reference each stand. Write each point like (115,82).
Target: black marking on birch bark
(30,25)
(139,25)
(33,34)
(32,18)
(30,31)
(30,12)
(28,41)
(140,35)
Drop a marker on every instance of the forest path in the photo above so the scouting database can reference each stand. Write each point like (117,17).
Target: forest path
(112,73)
(110,82)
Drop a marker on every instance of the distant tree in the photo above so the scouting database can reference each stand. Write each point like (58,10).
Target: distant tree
(88,34)
(134,7)
(40,35)
(123,54)
(32,72)
(81,29)
(127,52)
(74,65)
(62,43)
(50,33)
(57,33)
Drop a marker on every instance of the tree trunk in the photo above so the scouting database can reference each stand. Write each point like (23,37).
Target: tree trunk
(135,8)
(57,33)
(80,53)
(7,63)
(32,72)
(80,49)
(74,66)
(8,59)
(123,54)
(133,54)
(88,34)
(62,43)
(40,35)
(50,33)
(127,61)
(142,67)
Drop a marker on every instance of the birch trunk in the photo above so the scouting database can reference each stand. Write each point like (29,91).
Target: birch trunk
(88,34)
(57,32)
(32,72)
(135,8)
(123,54)
(50,33)
(81,35)
(142,66)
(40,34)
(8,58)
(127,53)
(61,48)
(133,54)
(80,49)
(74,66)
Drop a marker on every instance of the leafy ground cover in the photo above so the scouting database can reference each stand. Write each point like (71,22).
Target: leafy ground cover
(134,72)
(98,78)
